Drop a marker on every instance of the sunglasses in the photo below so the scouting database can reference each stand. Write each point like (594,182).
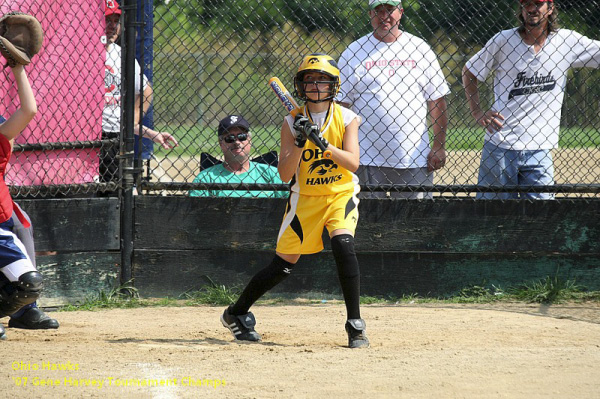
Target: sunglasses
(232,137)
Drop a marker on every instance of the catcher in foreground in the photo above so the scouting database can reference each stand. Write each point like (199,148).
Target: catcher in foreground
(20,282)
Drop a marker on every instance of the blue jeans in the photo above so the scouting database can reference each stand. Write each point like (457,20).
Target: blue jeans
(500,167)
(368,174)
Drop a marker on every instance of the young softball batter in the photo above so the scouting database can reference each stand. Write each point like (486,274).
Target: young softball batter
(323,194)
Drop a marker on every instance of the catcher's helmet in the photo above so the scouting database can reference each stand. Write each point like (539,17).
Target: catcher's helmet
(320,63)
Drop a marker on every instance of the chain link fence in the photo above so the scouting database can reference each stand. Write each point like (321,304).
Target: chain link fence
(205,60)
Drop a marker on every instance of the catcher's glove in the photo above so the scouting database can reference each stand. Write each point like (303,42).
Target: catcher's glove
(21,37)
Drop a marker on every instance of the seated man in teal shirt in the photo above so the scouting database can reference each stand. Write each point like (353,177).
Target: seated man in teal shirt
(236,142)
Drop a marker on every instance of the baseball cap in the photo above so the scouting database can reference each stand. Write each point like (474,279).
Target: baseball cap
(232,121)
(112,7)
(375,3)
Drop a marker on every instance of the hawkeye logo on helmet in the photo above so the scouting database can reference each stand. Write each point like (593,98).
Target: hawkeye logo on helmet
(313,61)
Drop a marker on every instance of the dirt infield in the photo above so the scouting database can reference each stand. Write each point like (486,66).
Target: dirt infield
(417,351)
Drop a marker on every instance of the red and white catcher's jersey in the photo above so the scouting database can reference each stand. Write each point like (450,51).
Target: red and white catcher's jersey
(7,206)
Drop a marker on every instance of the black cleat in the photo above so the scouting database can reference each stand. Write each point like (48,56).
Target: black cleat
(33,319)
(242,327)
(2,332)
(357,338)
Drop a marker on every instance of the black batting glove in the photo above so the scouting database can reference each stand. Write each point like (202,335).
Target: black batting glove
(301,130)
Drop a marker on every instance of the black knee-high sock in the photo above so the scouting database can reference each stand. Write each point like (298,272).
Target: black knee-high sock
(262,282)
(348,272)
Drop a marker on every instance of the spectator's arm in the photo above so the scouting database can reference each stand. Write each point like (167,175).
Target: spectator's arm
(436,158)
(470,84)
(166,140)
(147,98)
(491,120)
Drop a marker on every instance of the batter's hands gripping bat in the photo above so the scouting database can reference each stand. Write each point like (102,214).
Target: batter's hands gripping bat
(292,107)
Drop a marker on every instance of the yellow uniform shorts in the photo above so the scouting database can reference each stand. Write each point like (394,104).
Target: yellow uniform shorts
(301,231)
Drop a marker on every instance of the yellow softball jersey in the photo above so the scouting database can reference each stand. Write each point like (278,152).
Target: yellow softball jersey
(315,174)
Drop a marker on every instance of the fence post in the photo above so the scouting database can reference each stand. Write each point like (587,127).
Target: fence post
(127,149)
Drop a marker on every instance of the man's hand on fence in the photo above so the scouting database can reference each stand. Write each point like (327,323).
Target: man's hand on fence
(492,121)
(166,140)
(436,159)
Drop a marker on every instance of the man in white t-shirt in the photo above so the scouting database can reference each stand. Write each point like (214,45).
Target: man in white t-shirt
(111,115)
(393,79)
(530,65)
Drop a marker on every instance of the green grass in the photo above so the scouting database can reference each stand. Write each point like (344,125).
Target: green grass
(550,290)
(121,297)
(212,294)
(118,297)
(195,139)
(472,138)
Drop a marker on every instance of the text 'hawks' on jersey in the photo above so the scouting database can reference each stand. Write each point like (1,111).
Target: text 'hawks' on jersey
(317,175)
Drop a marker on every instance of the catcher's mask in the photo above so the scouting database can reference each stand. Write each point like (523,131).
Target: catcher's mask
(21,37)
(320,63)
